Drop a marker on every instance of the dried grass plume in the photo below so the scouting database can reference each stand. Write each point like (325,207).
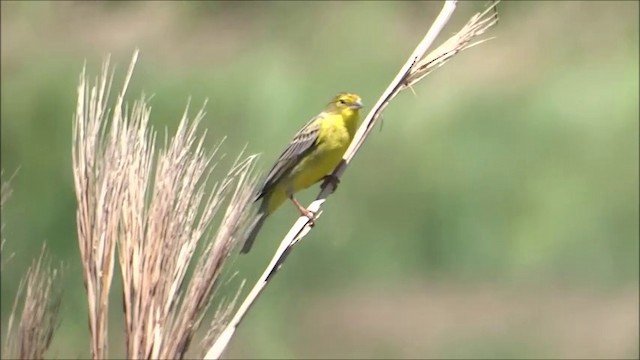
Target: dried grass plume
(34,317)
(154,209)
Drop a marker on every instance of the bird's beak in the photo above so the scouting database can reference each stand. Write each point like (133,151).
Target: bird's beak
(357,105)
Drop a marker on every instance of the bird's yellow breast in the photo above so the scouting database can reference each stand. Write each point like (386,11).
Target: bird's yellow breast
(334,137)
(333,140)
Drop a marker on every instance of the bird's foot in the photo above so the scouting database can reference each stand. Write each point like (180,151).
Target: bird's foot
(304,211)
(332,180)
(310,215)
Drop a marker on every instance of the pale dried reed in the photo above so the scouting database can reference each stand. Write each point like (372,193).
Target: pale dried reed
(40,295)
(153,209)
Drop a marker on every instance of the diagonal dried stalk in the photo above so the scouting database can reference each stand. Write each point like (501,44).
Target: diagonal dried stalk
(416,68)
(5,193)
(157,208)
(5,189)
(39,317)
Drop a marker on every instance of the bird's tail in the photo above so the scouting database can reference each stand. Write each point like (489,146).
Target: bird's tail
(253,230)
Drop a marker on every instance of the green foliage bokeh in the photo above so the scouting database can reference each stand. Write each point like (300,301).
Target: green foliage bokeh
(516,163)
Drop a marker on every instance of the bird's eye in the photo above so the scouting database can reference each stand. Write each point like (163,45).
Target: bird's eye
(342,102)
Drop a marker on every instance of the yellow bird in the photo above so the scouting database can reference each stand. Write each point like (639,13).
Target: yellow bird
(310,157)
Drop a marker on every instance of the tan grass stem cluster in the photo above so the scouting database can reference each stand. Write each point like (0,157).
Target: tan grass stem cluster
(34,317)
(154,209)
(38,302)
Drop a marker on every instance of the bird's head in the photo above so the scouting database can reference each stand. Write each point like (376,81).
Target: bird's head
(346,104)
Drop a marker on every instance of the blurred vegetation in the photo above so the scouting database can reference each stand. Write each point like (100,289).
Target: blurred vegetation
(513,173)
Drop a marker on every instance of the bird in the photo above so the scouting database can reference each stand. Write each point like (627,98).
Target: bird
(311,156)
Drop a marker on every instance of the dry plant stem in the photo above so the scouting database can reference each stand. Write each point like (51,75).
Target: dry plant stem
(5,189)
(40,298)
(411,72)
(461,41)
(5,193)
(95,168)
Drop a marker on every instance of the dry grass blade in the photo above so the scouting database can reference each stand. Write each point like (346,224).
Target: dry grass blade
(5,193)
(98,164)
(39,316)
(411,72)
(5,189)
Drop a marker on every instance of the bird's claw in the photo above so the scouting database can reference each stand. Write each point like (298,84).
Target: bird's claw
(311,216)
(332,180)
(304,211)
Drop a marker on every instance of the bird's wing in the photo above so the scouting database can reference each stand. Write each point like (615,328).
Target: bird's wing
(304,141)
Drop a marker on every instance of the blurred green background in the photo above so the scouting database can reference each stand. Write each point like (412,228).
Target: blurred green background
(494,215)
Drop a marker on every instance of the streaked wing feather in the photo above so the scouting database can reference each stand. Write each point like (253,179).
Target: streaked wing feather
(302,143)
